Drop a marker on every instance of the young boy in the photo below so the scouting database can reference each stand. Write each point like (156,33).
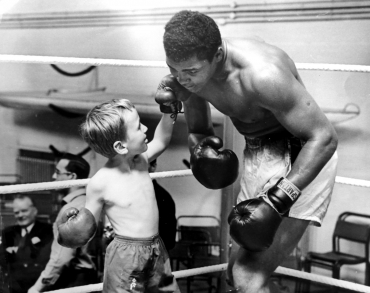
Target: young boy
(136,260)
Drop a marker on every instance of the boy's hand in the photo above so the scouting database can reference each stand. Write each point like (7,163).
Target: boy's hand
(76,228)
(169,95)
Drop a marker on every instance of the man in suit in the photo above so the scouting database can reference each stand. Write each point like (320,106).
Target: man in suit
(25,246)
(68,267)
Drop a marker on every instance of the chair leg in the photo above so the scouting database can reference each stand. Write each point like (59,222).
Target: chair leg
(367,272)
(210,284)
(188,284)
(336,271)
(305,287)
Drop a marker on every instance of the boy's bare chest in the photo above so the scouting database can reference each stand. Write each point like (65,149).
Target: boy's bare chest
(128,190)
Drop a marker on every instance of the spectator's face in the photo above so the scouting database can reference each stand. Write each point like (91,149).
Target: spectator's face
(61,173)
(24,212)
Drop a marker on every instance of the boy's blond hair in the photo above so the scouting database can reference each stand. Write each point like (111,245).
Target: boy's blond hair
(105,124)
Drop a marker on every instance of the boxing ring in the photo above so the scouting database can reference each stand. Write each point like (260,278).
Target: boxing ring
(18,188)
(30,187)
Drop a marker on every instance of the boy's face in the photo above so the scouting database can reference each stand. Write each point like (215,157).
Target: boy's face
(136,141)
(193,74)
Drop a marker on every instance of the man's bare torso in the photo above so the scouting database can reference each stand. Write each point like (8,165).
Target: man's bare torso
(233,91)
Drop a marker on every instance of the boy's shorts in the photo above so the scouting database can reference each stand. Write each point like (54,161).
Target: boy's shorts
(138,265)
(266,163)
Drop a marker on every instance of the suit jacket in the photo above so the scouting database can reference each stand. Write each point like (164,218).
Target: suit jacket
(23,258)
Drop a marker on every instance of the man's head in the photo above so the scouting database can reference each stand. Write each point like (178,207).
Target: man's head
(194,50)
(71,167)
(190,33)
(24,210)
(107,126)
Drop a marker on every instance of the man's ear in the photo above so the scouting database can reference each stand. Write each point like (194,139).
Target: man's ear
(120,148)
(74,175)
(219,54)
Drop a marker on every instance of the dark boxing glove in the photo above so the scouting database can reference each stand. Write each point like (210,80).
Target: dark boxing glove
(283,194)
(254,222)
(169,95)
(76,228)
(213,168)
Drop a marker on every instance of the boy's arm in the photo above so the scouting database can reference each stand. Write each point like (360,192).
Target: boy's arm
(162,137)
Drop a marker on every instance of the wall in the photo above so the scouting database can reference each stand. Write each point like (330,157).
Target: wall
(335,41)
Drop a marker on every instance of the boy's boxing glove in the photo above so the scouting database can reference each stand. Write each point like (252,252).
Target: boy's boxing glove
(169,95)
(76,227)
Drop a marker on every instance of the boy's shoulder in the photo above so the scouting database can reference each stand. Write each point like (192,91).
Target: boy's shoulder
(99,180)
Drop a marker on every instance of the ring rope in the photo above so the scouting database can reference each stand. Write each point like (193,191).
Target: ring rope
(155,64)
(354,182)
(223,267)
(30,187)
(79,182)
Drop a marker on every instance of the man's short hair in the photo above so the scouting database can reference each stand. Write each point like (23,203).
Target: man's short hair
(190,33)
(22,197)
(105,124)
(77,165)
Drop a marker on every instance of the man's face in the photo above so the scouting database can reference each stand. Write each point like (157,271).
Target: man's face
(24,212)
(61,173)
(193,74)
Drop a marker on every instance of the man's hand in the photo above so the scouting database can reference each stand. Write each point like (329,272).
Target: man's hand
(213,168)
(254,222)
(33,290)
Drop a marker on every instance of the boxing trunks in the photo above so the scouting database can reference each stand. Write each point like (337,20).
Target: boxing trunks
(267,160)
(138,265)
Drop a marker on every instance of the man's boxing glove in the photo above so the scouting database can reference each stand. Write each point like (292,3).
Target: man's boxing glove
(76,227)
(254,222)
(169,95)
(283,194)
(213,168)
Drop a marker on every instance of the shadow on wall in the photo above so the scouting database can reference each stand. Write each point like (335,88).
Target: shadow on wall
(47,121)
(348,133)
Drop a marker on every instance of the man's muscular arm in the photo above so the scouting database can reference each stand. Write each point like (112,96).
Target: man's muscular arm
(198,119)
(281,93)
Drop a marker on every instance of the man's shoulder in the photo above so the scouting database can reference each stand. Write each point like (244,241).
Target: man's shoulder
(43,225)
(10,230)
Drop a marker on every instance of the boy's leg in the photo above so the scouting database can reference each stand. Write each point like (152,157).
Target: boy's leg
(251,270)
(162,279)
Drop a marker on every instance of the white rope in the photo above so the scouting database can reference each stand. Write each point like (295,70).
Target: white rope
(354,182)
(323,280)
(223,267)
(155,64)
(30,187)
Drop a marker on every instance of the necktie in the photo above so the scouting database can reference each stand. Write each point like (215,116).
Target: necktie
(22,242)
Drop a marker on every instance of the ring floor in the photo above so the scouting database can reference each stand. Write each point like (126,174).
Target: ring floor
(284,284)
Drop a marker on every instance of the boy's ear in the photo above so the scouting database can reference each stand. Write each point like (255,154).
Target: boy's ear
(120,148)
